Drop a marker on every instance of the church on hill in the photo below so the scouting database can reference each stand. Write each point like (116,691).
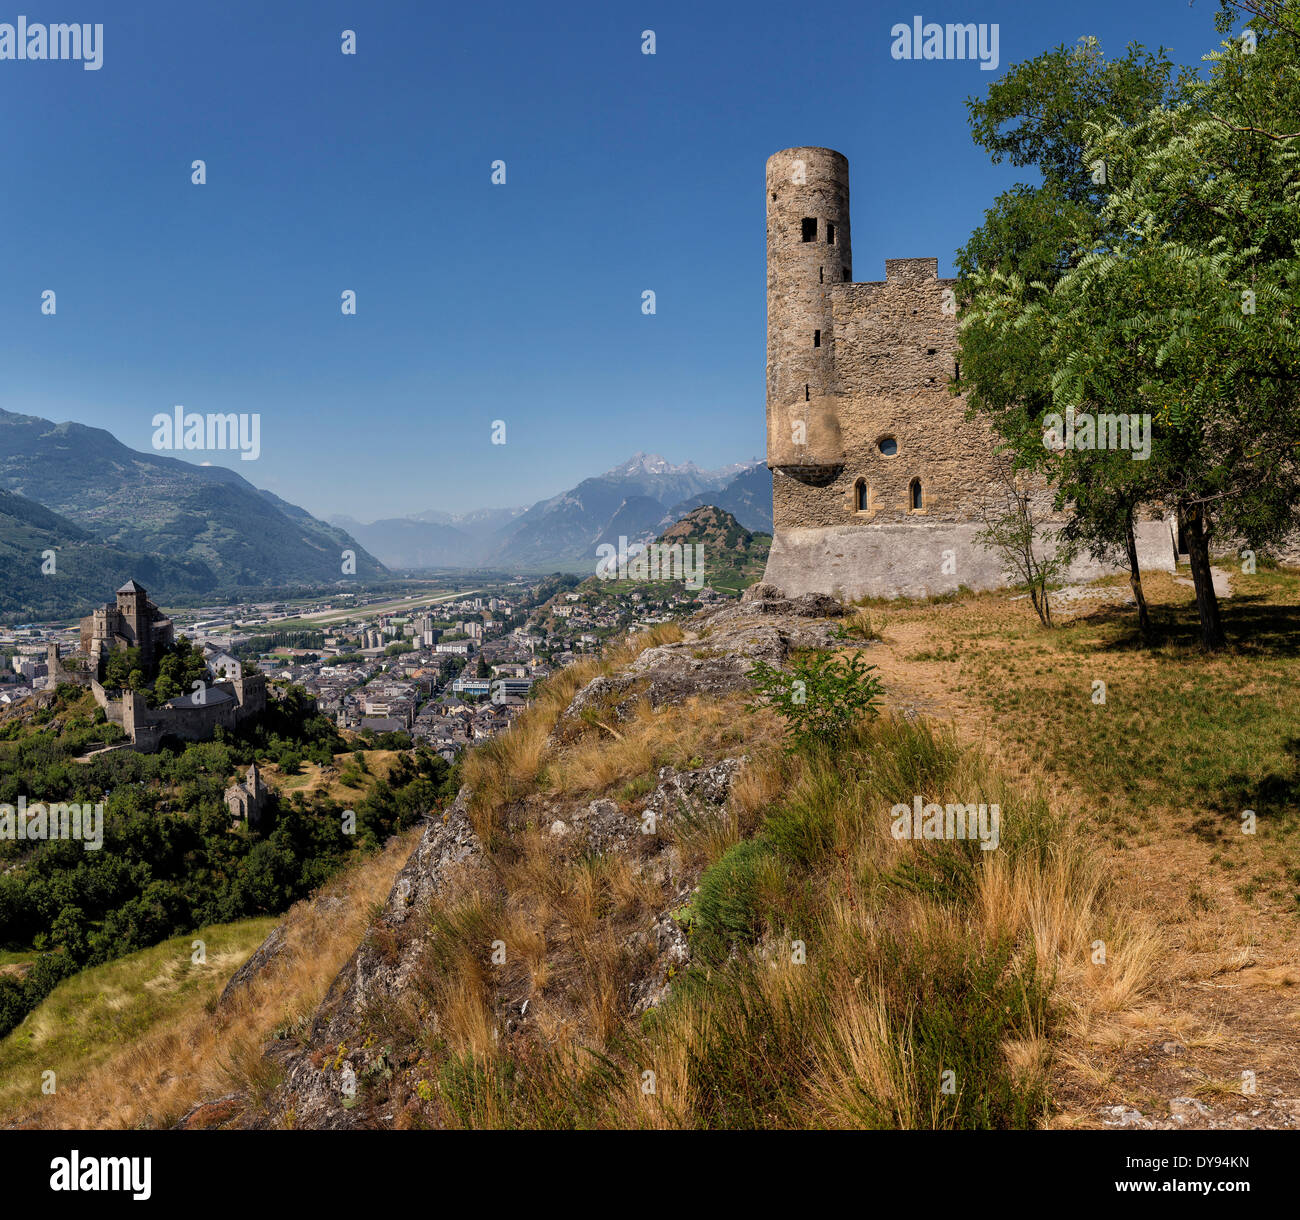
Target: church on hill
(247,800)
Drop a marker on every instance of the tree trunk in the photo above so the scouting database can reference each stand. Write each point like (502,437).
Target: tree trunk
(1135,578)
(1198,551)
(1037,587)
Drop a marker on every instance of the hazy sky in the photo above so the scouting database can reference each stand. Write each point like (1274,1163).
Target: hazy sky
(624,172)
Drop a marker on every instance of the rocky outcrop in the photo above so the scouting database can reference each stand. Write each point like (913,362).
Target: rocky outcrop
(348,1051)
(717,651)
(320,1074)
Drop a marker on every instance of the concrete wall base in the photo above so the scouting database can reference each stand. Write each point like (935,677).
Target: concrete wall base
(922,560)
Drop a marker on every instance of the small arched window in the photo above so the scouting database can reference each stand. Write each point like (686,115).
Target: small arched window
(860,495)
(915,493)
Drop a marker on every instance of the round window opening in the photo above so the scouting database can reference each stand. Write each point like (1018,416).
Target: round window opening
(889,446)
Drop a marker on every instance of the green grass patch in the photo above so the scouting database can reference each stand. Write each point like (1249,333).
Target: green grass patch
(91,1015)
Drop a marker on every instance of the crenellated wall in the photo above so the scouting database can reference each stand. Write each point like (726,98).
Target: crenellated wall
(878,477)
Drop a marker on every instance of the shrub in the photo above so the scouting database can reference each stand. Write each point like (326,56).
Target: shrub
(737,895)
(821,698)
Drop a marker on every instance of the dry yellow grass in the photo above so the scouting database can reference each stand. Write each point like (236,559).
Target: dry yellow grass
(201,1052)
(1146,781)
(312,780)
(648,739)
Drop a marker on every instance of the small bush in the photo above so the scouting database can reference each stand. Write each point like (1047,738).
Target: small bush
(732,903)
(858,626)
(821,698)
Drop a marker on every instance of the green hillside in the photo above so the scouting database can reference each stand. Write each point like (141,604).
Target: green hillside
(88,1017)
(159,505)
(734,558)
(86,570)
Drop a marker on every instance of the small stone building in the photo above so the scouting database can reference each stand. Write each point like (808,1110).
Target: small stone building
(247,800)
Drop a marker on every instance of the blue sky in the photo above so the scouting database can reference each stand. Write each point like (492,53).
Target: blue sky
(475,302)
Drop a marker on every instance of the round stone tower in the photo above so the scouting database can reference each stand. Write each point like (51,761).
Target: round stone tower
(808,250)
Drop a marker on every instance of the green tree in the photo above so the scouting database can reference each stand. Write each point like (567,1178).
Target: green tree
(820,699)
(119,666)
(1202,292)
(1177,300)
(1041,115)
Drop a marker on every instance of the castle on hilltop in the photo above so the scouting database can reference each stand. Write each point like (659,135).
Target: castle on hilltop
(877,476)
(133,621)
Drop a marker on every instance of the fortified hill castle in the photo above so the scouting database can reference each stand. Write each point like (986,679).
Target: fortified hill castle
(133,621)
(877,476)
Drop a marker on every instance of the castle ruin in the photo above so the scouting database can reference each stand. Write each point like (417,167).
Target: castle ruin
(246,800)
(877,475)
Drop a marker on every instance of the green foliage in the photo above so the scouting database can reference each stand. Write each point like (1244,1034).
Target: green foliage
(85,565)
(179,668)
(120,665)
(951,1000)
(729,907)
(963,1003)
(258,644)
(169,861)
(821,698)
(1153,273)
(1038,113)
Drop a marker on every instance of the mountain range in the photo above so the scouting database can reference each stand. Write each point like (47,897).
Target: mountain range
(52,566)
(106,512)
(203,527)
(636,500)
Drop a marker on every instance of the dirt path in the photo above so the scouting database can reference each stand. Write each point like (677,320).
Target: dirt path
(1225,998)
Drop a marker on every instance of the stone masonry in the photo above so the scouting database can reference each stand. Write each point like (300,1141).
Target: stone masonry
(877,474)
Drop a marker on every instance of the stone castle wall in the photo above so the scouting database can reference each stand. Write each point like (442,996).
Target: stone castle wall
(894,356)
(852,366)
(148,726)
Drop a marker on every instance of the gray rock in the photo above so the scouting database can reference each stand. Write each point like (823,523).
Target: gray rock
(1187,1107)
(265,953)
(716,655)
(371,980)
